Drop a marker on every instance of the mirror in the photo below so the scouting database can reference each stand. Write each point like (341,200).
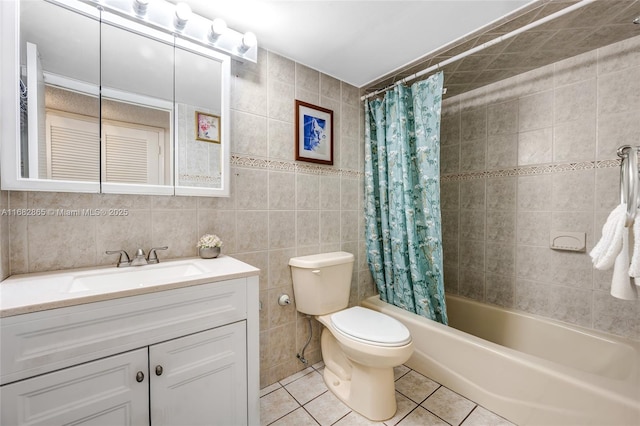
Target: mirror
(137,109)
(113,105)
(199,110)
(60,85)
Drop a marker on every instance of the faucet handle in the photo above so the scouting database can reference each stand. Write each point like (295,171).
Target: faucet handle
(152,257)
(121,263)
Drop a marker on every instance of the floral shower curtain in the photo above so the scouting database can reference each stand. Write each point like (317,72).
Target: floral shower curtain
(402,197)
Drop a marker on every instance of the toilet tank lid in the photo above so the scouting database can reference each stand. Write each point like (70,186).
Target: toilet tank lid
(321,260)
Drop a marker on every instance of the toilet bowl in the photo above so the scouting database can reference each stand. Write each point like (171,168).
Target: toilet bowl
(360,347)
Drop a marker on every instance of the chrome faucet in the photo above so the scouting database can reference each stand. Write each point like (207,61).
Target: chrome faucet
(121,262)
(139,258)
(152,257)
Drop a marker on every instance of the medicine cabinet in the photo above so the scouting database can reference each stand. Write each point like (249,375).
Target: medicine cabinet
(98,102)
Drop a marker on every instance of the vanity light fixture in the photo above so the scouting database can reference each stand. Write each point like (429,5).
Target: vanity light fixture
(140,7)
(218,27)
(179,20)
(248,41)
(183,14)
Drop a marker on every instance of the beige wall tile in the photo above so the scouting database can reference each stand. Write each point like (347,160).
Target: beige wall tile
(307,79)
(535,111)
(502,118)
(502,151)
(535,146)
(572,112)
(473,155)
(281,101)
(574,141)
(282,190)
(282,229)
(575,101)
(619,91)
(281,140)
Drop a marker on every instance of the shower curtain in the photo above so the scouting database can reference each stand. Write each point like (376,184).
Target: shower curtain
(402,197)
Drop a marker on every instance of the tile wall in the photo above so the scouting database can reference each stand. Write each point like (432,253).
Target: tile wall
(533,154)
(279,208)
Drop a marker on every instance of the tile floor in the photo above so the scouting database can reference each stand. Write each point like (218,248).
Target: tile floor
(303,399)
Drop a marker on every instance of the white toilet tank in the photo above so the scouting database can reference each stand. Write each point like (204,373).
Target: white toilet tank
(322,282)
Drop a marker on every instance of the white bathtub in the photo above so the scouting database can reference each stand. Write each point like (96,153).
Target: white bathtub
(528,369)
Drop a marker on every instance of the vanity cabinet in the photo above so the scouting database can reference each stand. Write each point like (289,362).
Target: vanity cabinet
(182,356)
(193,380)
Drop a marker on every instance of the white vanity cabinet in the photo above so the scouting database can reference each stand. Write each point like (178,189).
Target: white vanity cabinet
(103,392)
(182,356)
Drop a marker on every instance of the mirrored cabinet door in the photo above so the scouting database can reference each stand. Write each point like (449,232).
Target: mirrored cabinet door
(59,96)
(137,109)
(201,107)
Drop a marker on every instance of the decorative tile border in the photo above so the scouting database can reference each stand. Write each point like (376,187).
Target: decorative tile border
(292,166)
(532,170)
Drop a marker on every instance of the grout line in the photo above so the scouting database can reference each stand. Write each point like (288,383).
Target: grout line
(472,410)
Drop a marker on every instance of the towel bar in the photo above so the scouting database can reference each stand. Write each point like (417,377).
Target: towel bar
(629,180)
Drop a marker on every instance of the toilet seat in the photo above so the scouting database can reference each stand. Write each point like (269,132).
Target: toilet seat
(371,327)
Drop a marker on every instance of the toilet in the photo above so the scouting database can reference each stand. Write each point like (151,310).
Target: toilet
(359,346)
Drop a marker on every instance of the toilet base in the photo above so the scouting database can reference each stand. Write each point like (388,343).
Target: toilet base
(370,391)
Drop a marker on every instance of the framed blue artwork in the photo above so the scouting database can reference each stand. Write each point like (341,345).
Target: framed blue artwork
(314,133)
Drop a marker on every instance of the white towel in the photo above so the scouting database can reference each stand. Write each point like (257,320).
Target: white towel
(622,285)
(606,251)
(634,269)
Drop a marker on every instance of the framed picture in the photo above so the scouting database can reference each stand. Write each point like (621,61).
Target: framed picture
(314,133)
(207,127)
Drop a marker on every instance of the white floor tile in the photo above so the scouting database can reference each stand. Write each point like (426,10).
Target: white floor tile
(482,417)
(400,371)
(442,407)
(298,417)
(307,387)
(448,405)
(327,409)
(296,376)
(421,417)
(269,389)
(275,405)
(355,419)
(415,386)
(405,406)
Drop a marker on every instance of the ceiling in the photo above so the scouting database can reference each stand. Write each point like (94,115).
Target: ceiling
(356,41)
(372,44)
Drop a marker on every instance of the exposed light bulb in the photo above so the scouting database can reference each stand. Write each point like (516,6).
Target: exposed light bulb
(248,41)
(218,27)
(183,13)
(140,7)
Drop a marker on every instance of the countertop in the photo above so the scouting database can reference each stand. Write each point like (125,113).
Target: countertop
(26,293)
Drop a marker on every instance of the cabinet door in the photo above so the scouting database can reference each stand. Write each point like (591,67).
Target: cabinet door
(200,379)
(104,392)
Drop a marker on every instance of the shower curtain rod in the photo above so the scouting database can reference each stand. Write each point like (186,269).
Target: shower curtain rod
(476,49)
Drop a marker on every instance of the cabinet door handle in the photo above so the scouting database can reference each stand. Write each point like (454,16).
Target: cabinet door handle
(139,376)
(159,370)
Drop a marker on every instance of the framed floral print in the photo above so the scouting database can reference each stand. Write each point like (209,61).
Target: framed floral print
(207,127)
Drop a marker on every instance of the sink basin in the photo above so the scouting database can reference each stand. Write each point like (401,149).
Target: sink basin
(133,277)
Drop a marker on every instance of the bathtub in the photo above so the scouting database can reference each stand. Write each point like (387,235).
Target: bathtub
(530,370)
